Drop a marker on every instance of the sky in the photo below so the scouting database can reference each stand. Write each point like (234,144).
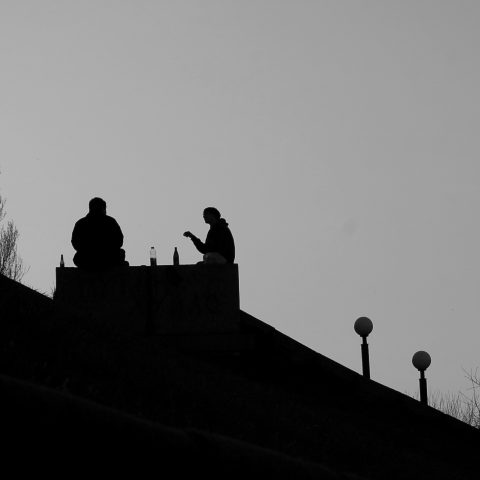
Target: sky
(339,139)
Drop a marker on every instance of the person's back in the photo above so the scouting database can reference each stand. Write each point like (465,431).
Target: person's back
(98,239)
(220,239)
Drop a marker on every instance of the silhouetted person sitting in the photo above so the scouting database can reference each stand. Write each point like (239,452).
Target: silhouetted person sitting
(219,246)
(98,239)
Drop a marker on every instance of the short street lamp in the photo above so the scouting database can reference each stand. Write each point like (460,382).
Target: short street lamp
(363,326)
(421,361)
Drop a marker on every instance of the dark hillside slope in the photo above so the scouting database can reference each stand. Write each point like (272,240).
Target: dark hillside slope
(45,431)
(281,396)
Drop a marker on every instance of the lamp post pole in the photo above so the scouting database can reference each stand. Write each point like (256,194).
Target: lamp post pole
(365,358)
(363,326)
(423,388)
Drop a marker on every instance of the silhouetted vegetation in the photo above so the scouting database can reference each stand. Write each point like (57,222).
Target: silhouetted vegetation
(464,407)
(11,265)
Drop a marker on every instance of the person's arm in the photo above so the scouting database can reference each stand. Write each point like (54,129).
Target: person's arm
(199,245)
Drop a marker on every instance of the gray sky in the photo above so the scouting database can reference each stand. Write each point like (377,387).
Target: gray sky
(338,138)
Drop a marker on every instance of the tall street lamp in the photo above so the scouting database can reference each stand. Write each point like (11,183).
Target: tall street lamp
(363,326)
(421,361)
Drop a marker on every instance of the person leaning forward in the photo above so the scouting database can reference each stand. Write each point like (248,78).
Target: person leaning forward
(97,239)
(219,246)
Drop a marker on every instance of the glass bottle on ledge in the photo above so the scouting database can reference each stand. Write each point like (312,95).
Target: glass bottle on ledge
(62,262)
(176,259)
(153,257)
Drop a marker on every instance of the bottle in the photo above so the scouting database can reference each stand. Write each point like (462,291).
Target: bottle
(176,260)
(153,257)
(62,262)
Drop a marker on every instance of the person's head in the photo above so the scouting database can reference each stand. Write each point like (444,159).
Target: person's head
(97,206)
(211,215)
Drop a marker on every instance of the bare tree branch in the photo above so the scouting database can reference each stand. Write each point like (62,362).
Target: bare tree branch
(464,407)
(2,208)
(11,265)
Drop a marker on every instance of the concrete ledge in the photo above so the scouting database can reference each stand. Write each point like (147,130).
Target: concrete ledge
(157,300)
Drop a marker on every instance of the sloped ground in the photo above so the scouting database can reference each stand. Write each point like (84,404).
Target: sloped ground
(282,397)
(45,431)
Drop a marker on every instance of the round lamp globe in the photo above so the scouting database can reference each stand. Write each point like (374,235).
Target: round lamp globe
(421,360)
(363,326)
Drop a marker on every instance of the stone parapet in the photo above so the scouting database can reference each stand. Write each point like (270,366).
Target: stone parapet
(180,299)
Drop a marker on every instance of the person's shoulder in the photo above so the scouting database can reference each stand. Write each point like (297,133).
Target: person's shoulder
(81,221)
(226,227)
(223,224)
(111,221)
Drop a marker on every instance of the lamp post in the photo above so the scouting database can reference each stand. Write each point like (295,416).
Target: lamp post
(363,326)
(421,361)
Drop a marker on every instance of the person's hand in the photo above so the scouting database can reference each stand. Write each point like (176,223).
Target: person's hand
(188,235)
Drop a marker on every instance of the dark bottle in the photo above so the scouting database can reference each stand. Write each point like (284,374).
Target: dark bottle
(153,257)
(62,262)
(176,259)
